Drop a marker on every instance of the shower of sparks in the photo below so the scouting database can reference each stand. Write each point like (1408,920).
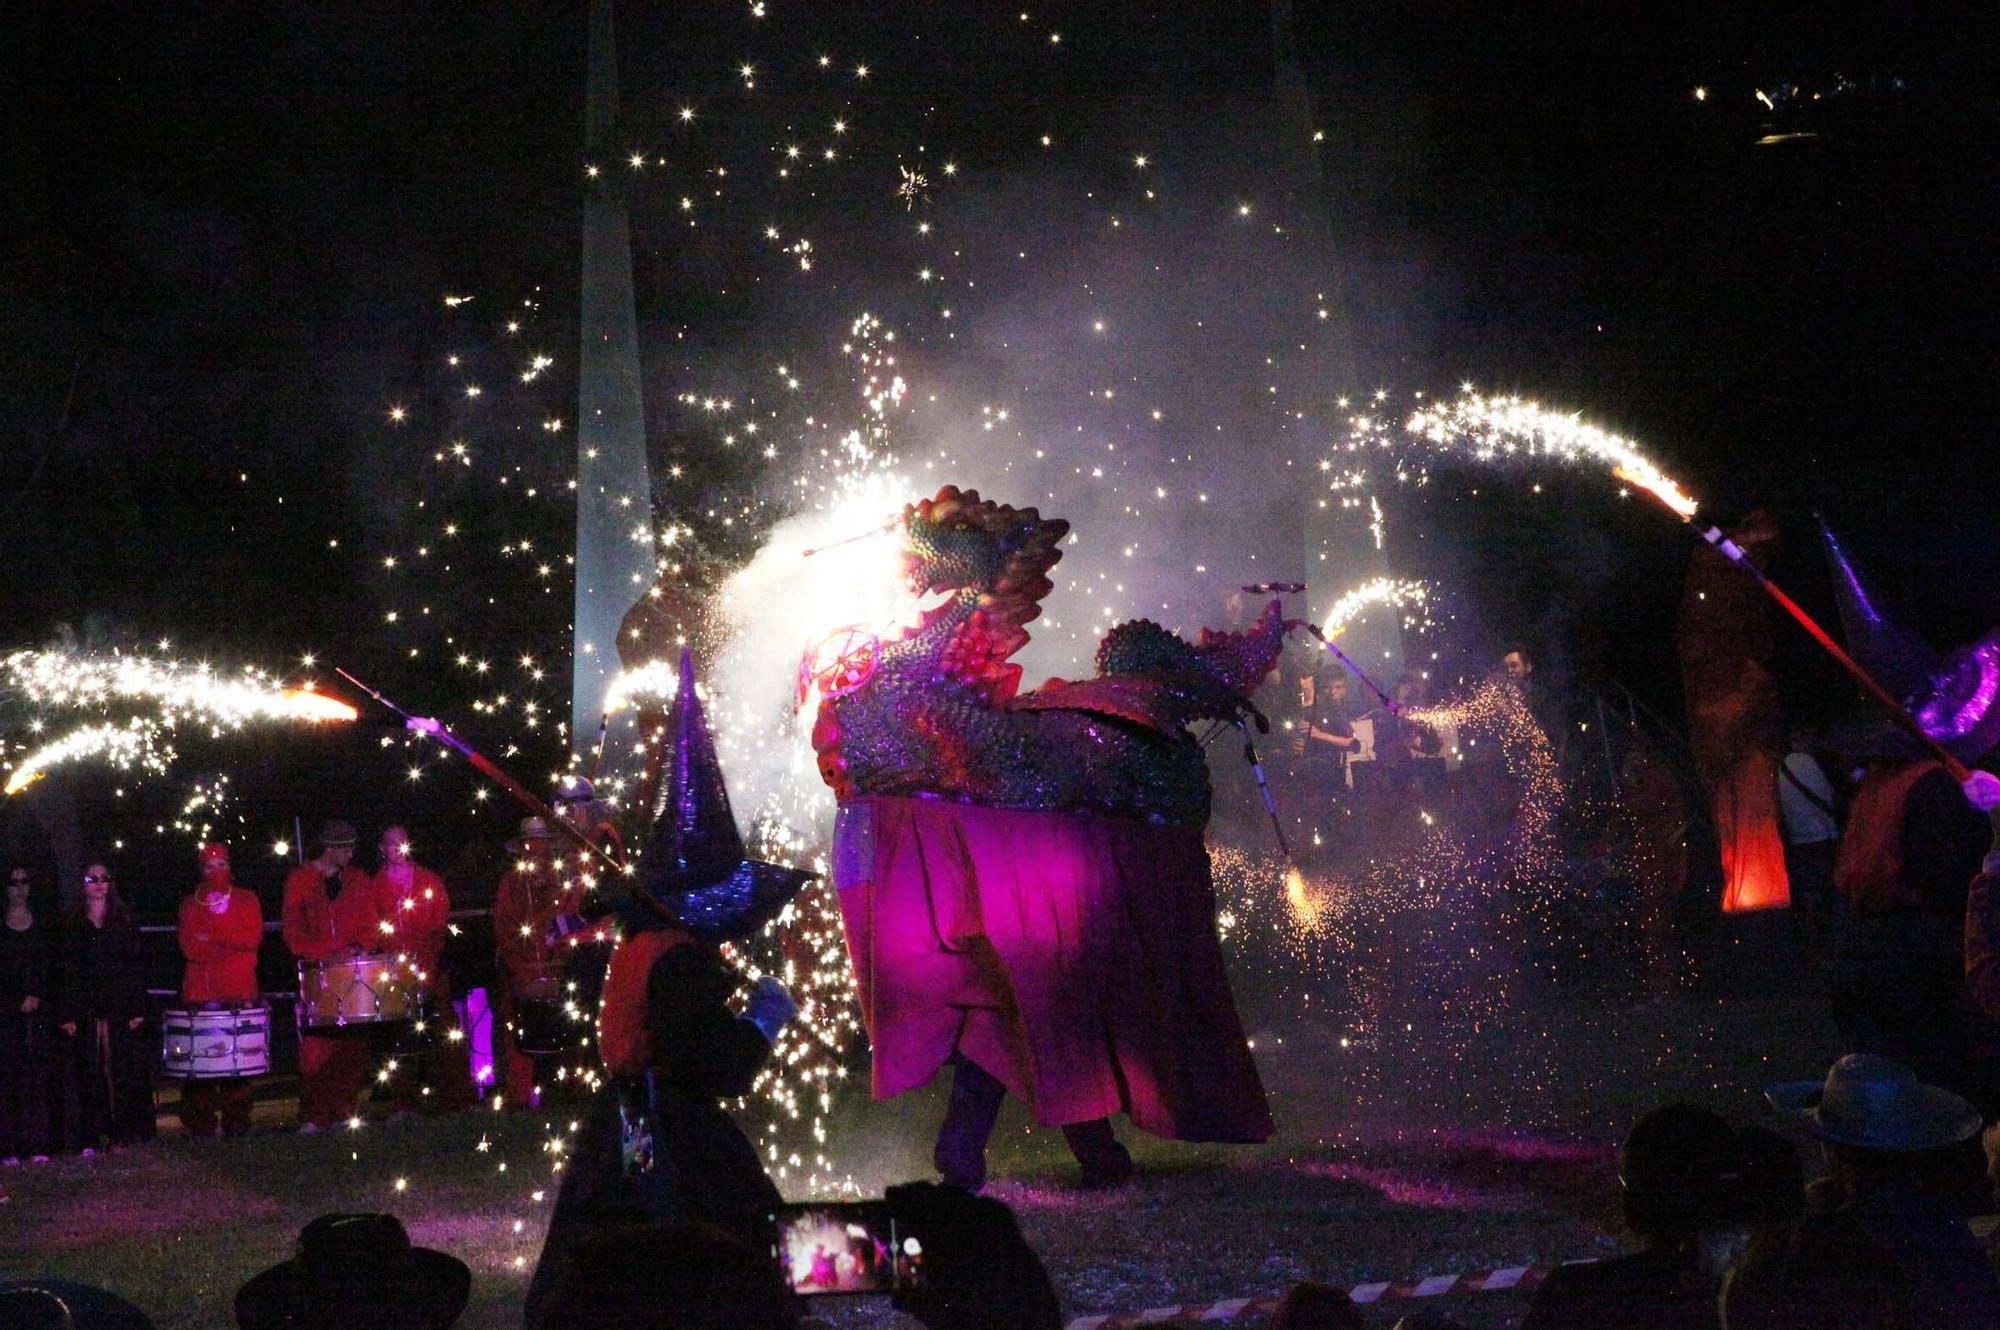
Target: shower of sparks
(771,462)
(1506,427)
(1417,927)
(1402,593)
(652,685)
(160,696)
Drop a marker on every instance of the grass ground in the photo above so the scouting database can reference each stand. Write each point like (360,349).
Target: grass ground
(1405,1158)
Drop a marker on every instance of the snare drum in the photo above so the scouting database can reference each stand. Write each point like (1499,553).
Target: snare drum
(355,990)
(216,1042)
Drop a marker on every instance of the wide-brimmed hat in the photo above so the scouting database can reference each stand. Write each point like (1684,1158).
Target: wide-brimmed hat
(1876,1103)
(334,834)
(575,789)
(532,828)
(356,1270)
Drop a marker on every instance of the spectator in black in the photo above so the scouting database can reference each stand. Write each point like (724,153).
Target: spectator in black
(1889,1141)
(353,1271)
(693,1276)
(26,1025)
(101,1014)
(1903,873)
(1822,1273)
(979,1273)
(1692,1190)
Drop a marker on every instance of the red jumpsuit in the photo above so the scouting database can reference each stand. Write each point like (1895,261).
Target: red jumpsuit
(421,911)
(525,907)
(332,1067)
(221,952)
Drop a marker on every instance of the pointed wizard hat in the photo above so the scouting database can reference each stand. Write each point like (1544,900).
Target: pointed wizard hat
(1956,700)
(695,863)
(1892,653)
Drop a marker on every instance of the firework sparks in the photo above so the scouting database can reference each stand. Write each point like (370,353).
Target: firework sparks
(651,685)
(175,694)
(1401,593)
(1500,427)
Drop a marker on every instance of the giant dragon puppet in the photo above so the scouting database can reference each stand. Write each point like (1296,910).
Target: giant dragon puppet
(1022,876)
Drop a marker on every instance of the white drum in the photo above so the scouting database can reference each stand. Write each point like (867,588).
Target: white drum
(216,1042)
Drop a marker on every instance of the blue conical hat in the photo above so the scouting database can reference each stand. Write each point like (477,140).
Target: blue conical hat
(695,862)
(1900,659)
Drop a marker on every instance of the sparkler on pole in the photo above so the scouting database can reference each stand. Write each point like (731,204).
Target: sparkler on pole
(1393,707)
(521,793)
(1684,507)
(855,539)
(597,753)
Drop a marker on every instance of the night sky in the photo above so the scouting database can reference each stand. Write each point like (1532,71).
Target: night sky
(240,225)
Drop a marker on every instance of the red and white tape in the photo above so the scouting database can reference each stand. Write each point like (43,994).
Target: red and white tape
(1509,1279)
(1513,1278)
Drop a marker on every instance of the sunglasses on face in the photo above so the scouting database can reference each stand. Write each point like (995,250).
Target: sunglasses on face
(97,877)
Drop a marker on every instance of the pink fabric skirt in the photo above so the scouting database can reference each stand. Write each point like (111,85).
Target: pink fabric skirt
(1073,956)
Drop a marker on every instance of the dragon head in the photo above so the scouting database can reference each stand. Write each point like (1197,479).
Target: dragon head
(960,542)
(996,556)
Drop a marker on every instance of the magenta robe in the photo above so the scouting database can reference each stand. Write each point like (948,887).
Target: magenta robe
(1071,955)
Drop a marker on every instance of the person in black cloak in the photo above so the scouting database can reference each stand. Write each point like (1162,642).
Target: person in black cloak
(656,1143)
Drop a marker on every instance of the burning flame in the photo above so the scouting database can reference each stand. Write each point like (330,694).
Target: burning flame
(1661,488)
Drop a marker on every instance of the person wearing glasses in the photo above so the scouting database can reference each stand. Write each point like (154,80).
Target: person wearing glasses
(101,1012)
(25,1031)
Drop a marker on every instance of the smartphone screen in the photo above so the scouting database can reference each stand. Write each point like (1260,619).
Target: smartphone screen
(825,1247)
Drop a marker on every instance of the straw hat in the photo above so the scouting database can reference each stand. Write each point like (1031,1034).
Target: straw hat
(1875,1103)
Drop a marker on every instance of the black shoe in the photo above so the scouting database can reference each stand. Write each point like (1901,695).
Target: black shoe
(1106,1163)
(961,1161)
(1114,1168)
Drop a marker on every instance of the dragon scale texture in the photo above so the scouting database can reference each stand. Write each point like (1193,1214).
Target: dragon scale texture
(941,715)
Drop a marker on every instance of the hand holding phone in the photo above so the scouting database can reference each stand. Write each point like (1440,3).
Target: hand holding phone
(978,1271)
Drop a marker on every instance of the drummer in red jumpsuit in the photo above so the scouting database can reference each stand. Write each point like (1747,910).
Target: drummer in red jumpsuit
(414,898)
(330,908)
(533,895)
(220,927)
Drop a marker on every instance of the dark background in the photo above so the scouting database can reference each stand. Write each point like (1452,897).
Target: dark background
(238,224)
